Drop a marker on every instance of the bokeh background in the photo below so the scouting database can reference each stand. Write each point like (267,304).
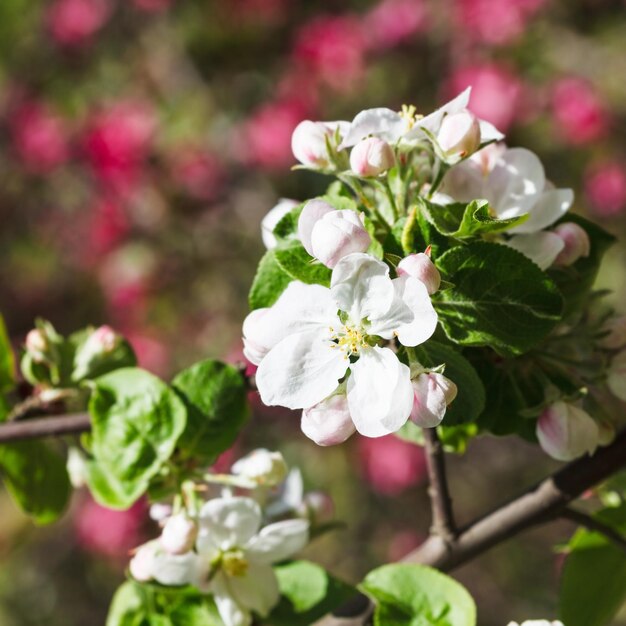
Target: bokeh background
(141,143)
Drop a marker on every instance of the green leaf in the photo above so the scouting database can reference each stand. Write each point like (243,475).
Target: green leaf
(128,606)
(593,585)
(308,593)
(36,478)
(136,422)
(7,360)
(415,595)
(217,408)
(470,399)
(454,438)
(300,265)
(461,220)
(287,227)
(269,282)
(498,298)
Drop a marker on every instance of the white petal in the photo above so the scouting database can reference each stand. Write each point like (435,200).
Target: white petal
(299,308)
(301,370)
(174,570)
(381,122)
(360,286)
(228,522)
(551,205)
(328,422)
(279,541)
(312,212)
(464,182)
(230,611)
(337,235)
(488,132)
(432,122)
(257,590)
(380,394)
(542,248)
(411,317)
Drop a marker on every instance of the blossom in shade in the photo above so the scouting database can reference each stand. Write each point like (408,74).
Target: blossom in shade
(614,333)
(496,92)
(578,111)
(433,392)
(391,465)
(313,336)
(39,137)
(605,188)
(576,243)
(566,432)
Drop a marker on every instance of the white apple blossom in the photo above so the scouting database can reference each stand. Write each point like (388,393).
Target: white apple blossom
(309,142)
(261,468)
(566,432)
(315,335)
(329,235)
(513,181)
(371,157)
(179,534)
(616,378)
(271,219)
(408,127)
(433,392)
(421,267)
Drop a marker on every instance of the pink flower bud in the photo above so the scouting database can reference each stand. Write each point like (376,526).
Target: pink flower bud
(141,566)
(459,134)
(371,157)
(433,393)
(328,423)
(421,267)
(104,338)
(616,376)
(311,213)
(179,534)
(576,242)
(566,432)
(37,344)
(616,337)
(308,143)
(254,346)
(319,506)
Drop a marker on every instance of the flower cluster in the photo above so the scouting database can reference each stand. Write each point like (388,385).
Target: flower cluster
(225,546)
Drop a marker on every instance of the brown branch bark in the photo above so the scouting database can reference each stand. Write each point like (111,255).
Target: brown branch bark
(443,524)
(40,427)
(540,504)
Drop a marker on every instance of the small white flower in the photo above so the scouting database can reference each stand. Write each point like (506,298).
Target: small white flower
(433,392)
(179,534)
(309,142)
(271,219)
(616,379)
(566,432)
(315,335)
(261,468)
(329,235)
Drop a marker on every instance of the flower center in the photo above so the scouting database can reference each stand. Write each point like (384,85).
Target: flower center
(234,563)
(349,339)
(409,113)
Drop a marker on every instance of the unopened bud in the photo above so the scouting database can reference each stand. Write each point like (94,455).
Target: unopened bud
(566,432)
(328,422)
(432,393)
(179,534)
(142,565)
(371,157)
(308,143)
(262,468)
(102,342)
(459,134)
(576,243)
(37,345)
(616,376)
(329,235)
(421,267)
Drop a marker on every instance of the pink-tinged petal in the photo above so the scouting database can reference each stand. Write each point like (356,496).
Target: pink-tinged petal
(380,122)
(541,248)
(312,211)
(551,205)
(328,422)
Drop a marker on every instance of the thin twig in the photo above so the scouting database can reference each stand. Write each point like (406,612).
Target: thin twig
(443,524)
(591,523)
(45,427)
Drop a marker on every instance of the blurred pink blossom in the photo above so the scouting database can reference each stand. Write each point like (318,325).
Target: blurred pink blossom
(107,532)
(579,113)
(117,141)
(108,225)
(75,22)
(391,22)
(152,353)
(333,48)
(197,171)
(494,22)
(402,543)
(391,465)
(39,137)
(265,139)
(497,93)
(605,187)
